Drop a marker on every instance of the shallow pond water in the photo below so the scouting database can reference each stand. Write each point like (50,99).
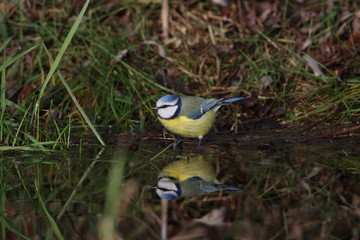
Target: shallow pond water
(293,188)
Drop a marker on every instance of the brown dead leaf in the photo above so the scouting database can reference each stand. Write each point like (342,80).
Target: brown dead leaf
(159,48)
(354,38)
(125,18)
(214,218)
(356,204)
(311,30)
(195,233)
(130,188)
(266,80)
(265,9)
(356,22)
(121,54)
(7,8)
(223,3)
(251,18)
(314,66)
(26,91)
(168,79)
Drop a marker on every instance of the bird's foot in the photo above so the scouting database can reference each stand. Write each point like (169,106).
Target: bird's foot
(177,145)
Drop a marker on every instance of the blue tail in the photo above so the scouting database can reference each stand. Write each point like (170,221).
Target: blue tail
(233,188)
(227,187)
(234,99)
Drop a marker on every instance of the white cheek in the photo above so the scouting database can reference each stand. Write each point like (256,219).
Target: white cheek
(168,195)
(167,112)
(167,184)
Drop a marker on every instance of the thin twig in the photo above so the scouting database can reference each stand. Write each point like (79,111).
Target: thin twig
(164,218)
(165,19)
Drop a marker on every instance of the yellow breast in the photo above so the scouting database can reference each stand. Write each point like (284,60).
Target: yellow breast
(188,127)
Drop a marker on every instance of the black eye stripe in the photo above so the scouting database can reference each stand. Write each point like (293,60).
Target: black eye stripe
(165,189)
(165,106)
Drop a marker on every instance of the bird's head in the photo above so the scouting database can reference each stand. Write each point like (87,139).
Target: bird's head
(167,188)
(168,106)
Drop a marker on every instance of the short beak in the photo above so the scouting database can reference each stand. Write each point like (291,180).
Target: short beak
(155,108)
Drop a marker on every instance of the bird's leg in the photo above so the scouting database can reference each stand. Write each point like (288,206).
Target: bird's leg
(199,145)
(177,142)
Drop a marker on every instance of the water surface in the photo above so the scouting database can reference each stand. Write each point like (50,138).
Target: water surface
(294,188)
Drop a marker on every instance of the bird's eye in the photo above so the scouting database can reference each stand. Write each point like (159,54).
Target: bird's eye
(166,106)
(164,189)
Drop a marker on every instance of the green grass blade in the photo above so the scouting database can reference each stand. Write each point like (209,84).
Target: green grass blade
(3,46)
(9,226)
(14,105)
(161,152)
(59,56)
(78,185)
(34,140)
(25,148)
(66,85)
(54,226)
(22,181)
(11,60)
(113,194)
(61,52)
(2,203)
(75,190)
(20,126)
(3,102)
(81,110)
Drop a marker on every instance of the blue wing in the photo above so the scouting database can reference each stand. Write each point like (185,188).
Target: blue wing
(212,187)
(195,178)
(209,104)
(204,186)
(209,187)
(206,106)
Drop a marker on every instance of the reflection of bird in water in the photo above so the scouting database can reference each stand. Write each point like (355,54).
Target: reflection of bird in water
(189,176)
(189,116)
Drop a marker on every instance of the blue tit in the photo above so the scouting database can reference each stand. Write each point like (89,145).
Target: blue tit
(189,116)
(188,177)
(170,189)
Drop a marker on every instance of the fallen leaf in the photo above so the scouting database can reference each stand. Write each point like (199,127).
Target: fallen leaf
(160,49)
(223,3)
(120,55)
(314,66)
(214,218)
(266,80)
